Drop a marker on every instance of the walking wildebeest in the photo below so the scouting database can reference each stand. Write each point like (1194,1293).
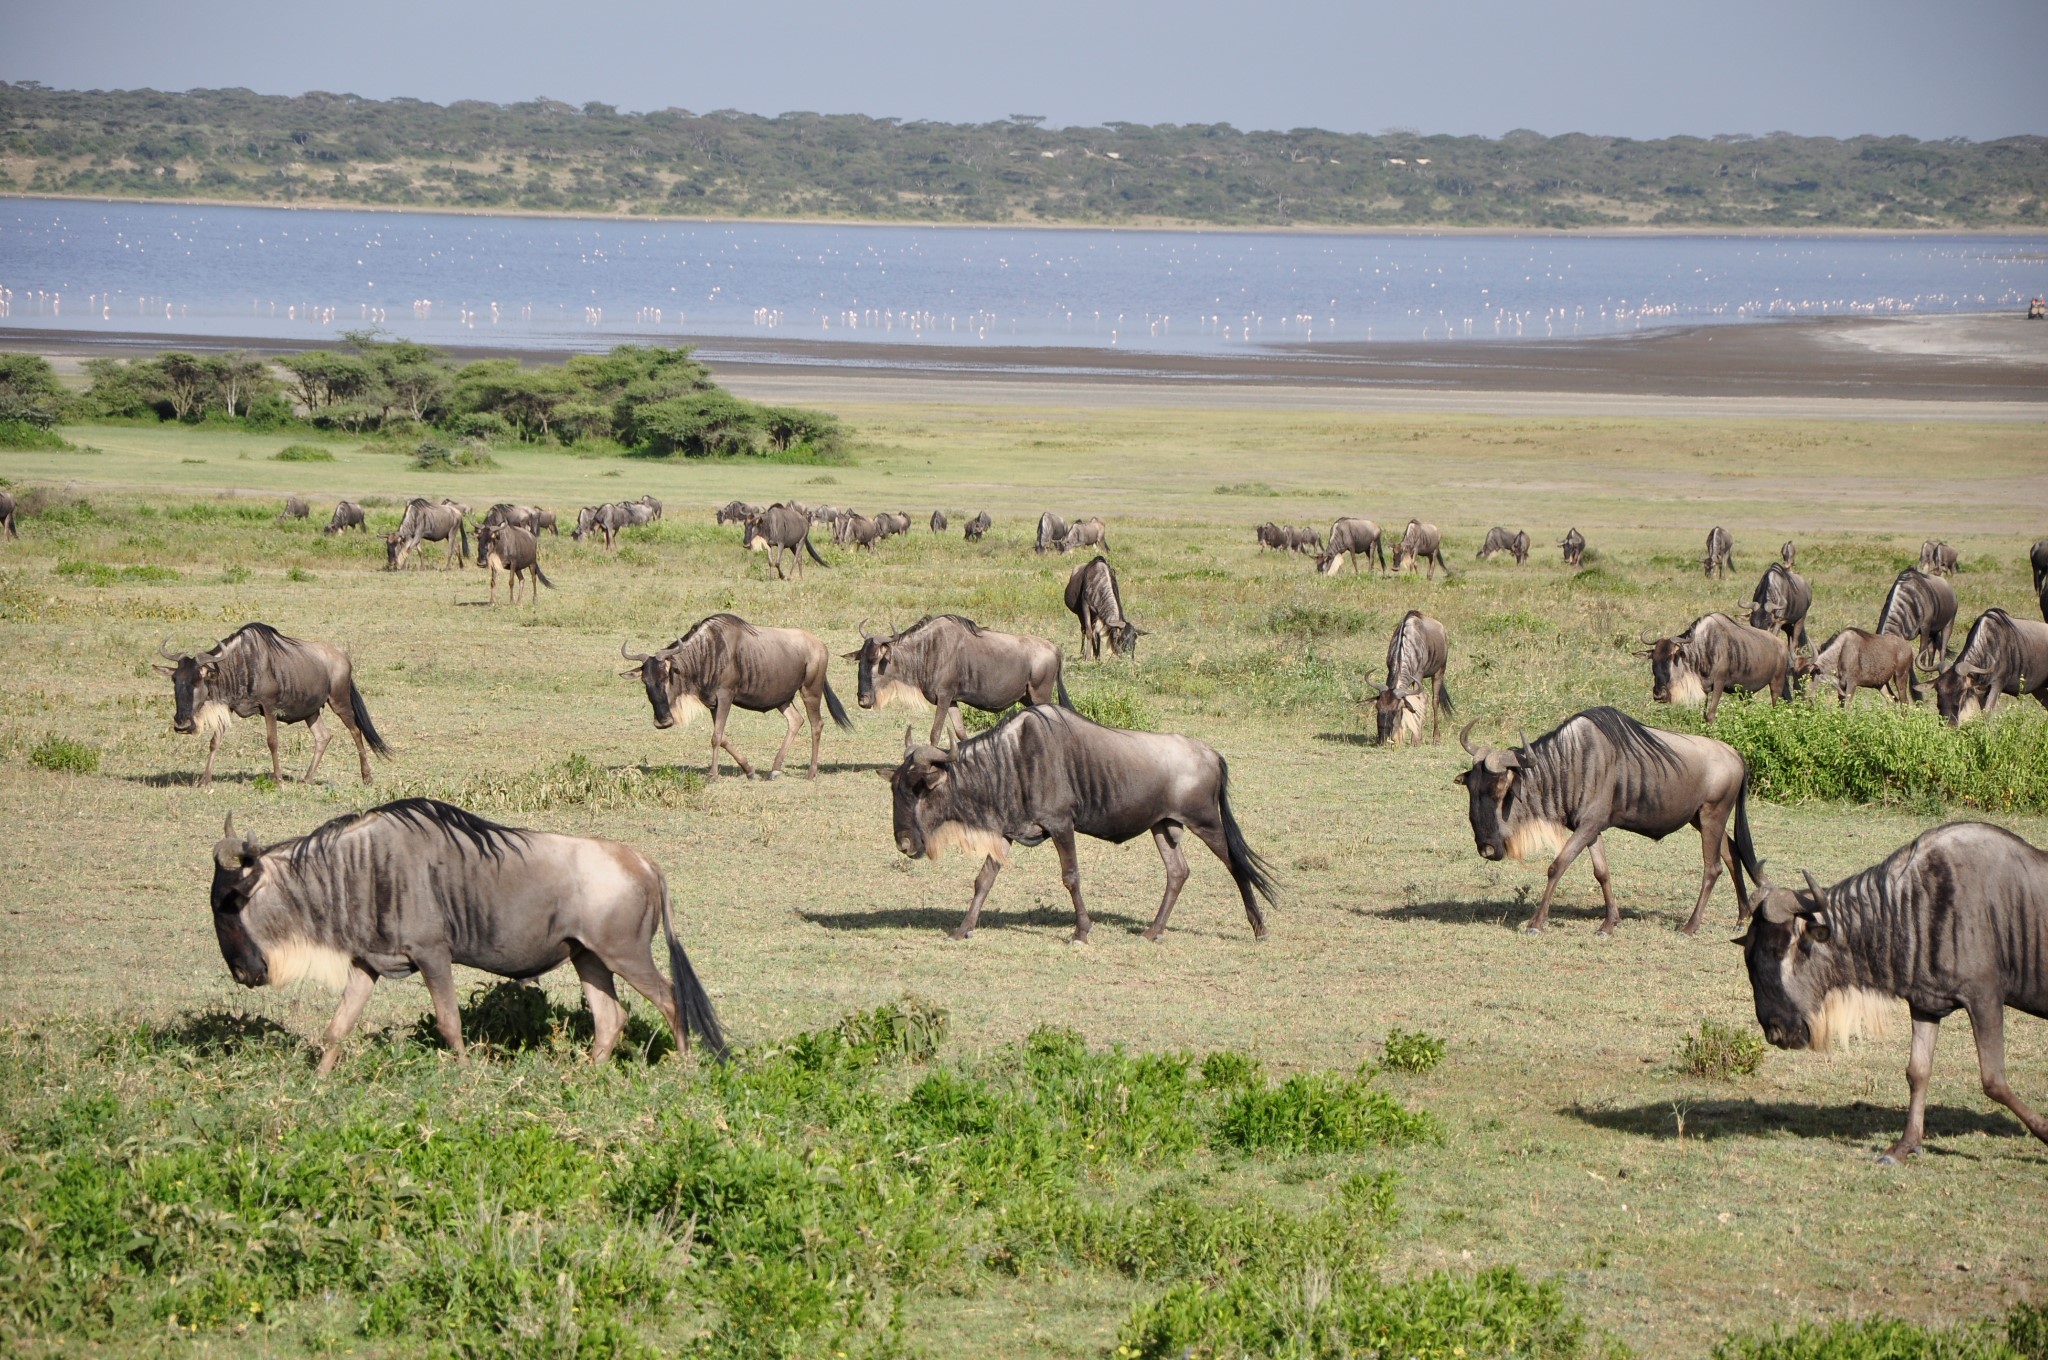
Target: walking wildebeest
(1937,558)
(1787,551)
(723,662)
(1420,542)
(652,504)
(1858,659)
(1417,654)
(2000,655)
(7,529)
(779,529)
(1921,609)
(295,507)
(1499,540)
(603,520)
(1956,919)
(1780,603)
(1602,770)
(1048,773)
(977,526)
(426,522)
(1270,535)
(2037,557)
(1713,655)
(347,515)
(1052,533)
(890,523)
(516,551)
(944,660)
(636,514)
(738,512)
(1358,537)
(257,669)
(1720,558)
(1093,598)
(1574,545)
(938,521)
(420,886)
(1086,533)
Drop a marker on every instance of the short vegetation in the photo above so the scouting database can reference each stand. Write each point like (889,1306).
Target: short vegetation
(1721,1052)
(2022,1336)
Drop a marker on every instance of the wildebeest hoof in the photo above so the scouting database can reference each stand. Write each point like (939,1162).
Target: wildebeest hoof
(1604,932)
(769,774)
(1078,937)
(1150,934)
(960,933)
(1532,930)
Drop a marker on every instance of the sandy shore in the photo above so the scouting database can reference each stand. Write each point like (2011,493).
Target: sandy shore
(1979,367)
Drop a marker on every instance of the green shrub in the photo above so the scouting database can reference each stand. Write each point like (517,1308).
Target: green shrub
(62,753)
(23,435)
(300,575)
(1872,1339)
(302,453)
(1316,620)
(1720,1052)
(100,574)
(1320,1112)
(1417,1052)
(576,782)
(1114,706)
(1228,1069)
(432,455)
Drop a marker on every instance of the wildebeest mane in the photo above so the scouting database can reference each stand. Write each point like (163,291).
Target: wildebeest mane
(1629,738)
(1891,597)
(973,628)
(460,826)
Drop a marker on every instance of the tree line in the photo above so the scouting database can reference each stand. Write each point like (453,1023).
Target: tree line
(544,155)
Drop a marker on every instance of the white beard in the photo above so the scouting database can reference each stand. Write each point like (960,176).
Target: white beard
(212,719)
(1411,721)
(1686,689)
(687,710)
(1969,709)
(1850,1013)
(896,694)
(973,840)
(1538,838)
(296,958)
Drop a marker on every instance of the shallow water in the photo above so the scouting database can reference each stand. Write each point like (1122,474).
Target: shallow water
(286,275)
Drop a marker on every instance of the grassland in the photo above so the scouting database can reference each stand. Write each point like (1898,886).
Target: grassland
(1670,1207)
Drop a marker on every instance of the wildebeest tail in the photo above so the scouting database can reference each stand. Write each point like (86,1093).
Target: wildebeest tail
(693,1004)
(1246,864)
(541,576)
(1443,696)
(462,523)
(361,713)
(1059,681)
(1745,849)
(837,710)
(813,551)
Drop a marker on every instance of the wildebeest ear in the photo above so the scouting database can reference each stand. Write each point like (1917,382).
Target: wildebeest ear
(849,656)
(1459,778)
(163,670)
(888,774)
(909,740)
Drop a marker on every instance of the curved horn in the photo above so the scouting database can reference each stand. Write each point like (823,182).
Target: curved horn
(227,830)
(1464,739)
(1525,738)
(864,633)
(631,656)
(1820,894)
(1645,639)
(164,649)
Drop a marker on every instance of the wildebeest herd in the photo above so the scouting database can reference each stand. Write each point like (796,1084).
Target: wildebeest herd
(1957,919)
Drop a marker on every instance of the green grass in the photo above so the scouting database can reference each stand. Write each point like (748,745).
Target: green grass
(1721,1052)
(2022,1337)
(62,753)
(302,453)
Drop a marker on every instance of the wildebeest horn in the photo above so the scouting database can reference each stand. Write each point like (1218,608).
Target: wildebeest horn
(909,741)
(864,633)
(1524,732)
(1464,739)
(227,830)
(1645,639)
(1820,894)
(631,656)
(164,648)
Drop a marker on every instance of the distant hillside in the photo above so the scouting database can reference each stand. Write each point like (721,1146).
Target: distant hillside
(551,157)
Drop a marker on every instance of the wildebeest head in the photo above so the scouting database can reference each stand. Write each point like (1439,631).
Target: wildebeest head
(191,687)
(391,552)
(1672,677)
(659,675)
(873,656)
(1124,641)
(1792,963)
(1490,787)
(919,786)
(1391,705)
(237,864)
(1960,692)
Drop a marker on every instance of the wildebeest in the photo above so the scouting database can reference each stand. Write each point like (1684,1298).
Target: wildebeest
(528,517)
(1602,770)
(856,531)
(1937,558)
(257,669)
(1780,603)
(1047,774)
(1787,551)
(1270,535)
(1857,659)
(819,514)
(347,515)
(1086,533)
(938,521)
(1499,540)
(514,550)
(1290,538)
(1421,542)
(1956,919)
(1093,598)
(1358,537)
(1574,545)
(603,520)
(977,526)
(1052,533)
(2000,655)
(652,504)
(1921,609)
(944,660)
(2044,603)
(635,514)
(426,522)
(295,507)
(738,512)
(723,662)
(2037,557)
(7,529)
(1720,558)
(779,529)
(1713,655)
(1417,655)
(420,886)
(890,523)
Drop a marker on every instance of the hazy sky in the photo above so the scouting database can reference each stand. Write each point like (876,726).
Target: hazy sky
(1969,68)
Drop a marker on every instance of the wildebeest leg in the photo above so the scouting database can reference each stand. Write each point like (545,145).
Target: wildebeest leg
(1070,874)
(1167,837)
(1918,1068)
(639,971)
(1572,849)
(983,881)
(353,997)
(718,739)
(211,747)
(317,729)
(1712,821)
(941,720)
(440,980)
(817,731)
(270,735)
(1599,857)
(789,716)
(1987,1025)
(1212,835)
(607,1017)
(1713,702)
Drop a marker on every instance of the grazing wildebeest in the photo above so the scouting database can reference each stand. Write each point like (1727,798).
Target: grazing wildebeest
(1858,659)
(1499,540)
(418,886)
(1308,538)
(1417,654)
(1713,655)
(347,515)
(738,512)
(1421,542)
(944,660)
(779,529)
(295,507)
(635,514)
(1574,545)
(1921,609)
(723,663)
(2000,655)
(1787,551)
(977,526)
(1052,533)
(1093,598)
(1360,538)
(1046,774)
(2037,557)
(257,669)
(890,523)
(543,519)
(1956,919)
(652,504)
(856,531)
(528,517)
(517,552)
(602,520)
(938,521)
(1780,603)
(7,529)
(1602,770)
(1720,558)
(1086,533)
(1937,558)
(426,522)
(1271,535)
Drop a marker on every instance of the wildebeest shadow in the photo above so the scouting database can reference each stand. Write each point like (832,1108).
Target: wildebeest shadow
(1858,1120)
(1347,738)
(219,1031)
(189,779)
(1509,914)
(946,918)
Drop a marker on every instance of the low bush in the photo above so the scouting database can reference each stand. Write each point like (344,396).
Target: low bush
(1412,1053)
(432,455)
(100,574)
(26,436)
(62,753)
(1321,1112)
(302,453)
(1721,1052)
(2021,1338)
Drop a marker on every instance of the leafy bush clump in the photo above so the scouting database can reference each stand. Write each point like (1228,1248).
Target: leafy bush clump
(1114,706)
(25,436)
(1417,1052)
(1245,489)
(1321,1112)
(100,574)
(431,455)
(302,453)
(1889,1339)
(1721,1052)
(62,753)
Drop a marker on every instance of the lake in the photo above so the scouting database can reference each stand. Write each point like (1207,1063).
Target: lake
(287,275)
